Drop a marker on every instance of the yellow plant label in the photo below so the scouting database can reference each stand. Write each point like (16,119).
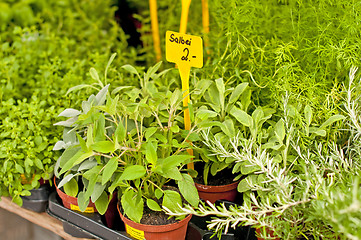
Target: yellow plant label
(184,49)
(76,208)
(135,233)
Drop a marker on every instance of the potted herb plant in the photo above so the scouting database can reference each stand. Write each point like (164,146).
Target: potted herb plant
(76,168)
(220,115)
(149,148)
(297,174)
(25,155)
(155,157)
(139,150)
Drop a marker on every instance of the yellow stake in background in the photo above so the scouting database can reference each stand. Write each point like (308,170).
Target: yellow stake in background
(155,28)
(186,51)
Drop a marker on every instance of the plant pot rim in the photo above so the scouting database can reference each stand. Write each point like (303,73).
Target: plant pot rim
(72,199)
(153,228)
(220,188)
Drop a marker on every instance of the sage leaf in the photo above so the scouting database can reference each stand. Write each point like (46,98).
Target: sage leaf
(109,169)
(241,116)
(132,205)
(102,203)
(83,201)
(172,200)
(188,190)
(133,172)
(98,190)
(103,147)
(71,187)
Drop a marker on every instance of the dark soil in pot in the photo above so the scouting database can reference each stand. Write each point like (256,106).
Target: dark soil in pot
(223,177)
(151,217)
(155,218)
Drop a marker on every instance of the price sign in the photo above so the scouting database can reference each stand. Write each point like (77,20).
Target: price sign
(184,49)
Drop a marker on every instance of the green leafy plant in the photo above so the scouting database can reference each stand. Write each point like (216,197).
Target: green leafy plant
(154,155)
(221,114)
(75,167)
(132,142)
(26,141)
(283,198)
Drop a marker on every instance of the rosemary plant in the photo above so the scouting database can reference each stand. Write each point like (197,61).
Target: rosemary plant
(316,196)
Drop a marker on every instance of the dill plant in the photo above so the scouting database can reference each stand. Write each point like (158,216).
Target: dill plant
(302,47)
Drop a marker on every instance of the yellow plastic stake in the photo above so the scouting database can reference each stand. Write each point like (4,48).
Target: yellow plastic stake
(186,51)
(205,22)
(184,16)
(205,16)
(155,28)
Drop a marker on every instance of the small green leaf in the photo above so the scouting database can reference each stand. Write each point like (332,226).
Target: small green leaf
(71,187)
(174,161)
(97,192)
(204,114)
(69,112)
(188,190)
(308,114)
(103,147)
(18,200)
(241,116)
(38,163)
(172,200)
(247,183)
(131,69)
(331,120)
(149,132)
(175,129)
(237,92)
(102,203)
(109,169)
(227,128)
(78,87)
(83,201)
(120,133)
(153,205)
(19,168)
(221,91)
(79,157)
(82,143)
(133,172)
(158,193)
(172,173)
(280,131)
(94,74)
(132,205)
(108,64)
(151,152)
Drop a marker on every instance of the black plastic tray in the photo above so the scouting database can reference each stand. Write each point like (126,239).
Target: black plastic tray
(82,224)
(91,225)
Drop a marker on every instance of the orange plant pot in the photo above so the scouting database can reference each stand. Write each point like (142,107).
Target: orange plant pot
(72,202)
(214,193)
(174,231)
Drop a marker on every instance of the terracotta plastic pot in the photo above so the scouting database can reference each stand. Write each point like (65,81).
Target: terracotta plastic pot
(72,202)
(174,231)
(214,193)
